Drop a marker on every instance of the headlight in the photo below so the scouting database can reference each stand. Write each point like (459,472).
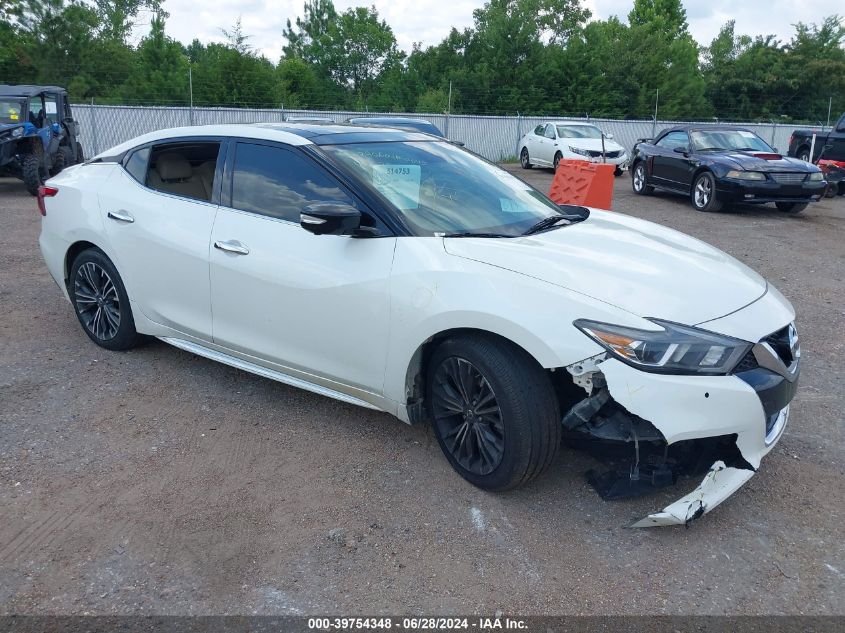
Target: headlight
(746,175)
(577,150)
(18,131)
(816,176)
(676,349)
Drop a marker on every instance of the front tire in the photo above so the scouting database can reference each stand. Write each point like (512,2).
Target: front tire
(791,207)
(494,412)
(618,172)
(703,194)
(639,180)
(525,159)
(32,173)
(557,159)
(100,301)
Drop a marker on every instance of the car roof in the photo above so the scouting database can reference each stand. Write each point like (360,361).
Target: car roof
(389,119)
(289,133)
(704,128)
(25,90)
(579,123)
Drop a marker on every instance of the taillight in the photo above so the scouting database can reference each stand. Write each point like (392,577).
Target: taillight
(45,192)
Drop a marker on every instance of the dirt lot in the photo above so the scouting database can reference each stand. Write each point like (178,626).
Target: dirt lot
(159,482)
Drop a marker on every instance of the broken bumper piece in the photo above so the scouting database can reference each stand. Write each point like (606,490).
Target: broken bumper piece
(720,483)
(677,426)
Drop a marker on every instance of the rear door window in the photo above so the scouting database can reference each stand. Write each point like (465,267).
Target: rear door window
(185,168)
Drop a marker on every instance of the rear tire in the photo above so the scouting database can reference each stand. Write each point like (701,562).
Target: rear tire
(64,157)
(525,159)
(639,180)
(703,194)
(79,155)
(494,412)
(791,207)
(804,154)
(618,172)
(31,172)
(100,301)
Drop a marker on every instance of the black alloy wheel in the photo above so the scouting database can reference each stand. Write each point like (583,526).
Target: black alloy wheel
(493,409)
(100,301)
(468,416)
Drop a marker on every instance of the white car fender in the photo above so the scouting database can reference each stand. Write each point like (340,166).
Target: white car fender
(429,296)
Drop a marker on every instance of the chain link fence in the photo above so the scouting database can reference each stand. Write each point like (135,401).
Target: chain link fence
(494,137)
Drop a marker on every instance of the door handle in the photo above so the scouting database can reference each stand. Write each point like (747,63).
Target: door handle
(121,216)
(232,246)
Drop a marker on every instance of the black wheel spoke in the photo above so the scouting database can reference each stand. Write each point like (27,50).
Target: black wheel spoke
(467,416)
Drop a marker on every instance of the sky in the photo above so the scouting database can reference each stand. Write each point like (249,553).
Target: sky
(429,21)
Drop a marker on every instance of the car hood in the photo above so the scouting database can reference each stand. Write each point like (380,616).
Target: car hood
(747,160)
(593,144)
(638,266)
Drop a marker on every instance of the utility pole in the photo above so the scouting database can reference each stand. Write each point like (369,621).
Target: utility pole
(654,121)
(829,105)
(449,109)
(191,91)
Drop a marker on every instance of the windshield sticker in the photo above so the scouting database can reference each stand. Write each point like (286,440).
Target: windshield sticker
(509,205)
(745,134)
(398,183)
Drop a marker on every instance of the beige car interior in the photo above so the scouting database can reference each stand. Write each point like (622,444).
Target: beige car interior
(173,173)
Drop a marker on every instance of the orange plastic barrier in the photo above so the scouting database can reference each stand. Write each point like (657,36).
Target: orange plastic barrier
(583,183)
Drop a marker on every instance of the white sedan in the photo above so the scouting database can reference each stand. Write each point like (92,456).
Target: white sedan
(549,143)
(401,273)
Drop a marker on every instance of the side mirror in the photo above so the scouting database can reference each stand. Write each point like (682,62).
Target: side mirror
(682,150)
(609,137)
(330,218)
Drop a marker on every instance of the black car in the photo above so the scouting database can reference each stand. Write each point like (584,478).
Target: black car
(718,165)
(402,123)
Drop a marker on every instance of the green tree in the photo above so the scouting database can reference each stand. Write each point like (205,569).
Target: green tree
(662,55)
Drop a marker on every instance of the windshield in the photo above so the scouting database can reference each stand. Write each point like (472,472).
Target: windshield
(728,139)
(438,188)
(578,131)
(11,110)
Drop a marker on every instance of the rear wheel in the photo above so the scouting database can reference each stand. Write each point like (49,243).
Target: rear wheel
(791,207)
(618,172)
(79,155)
(33,175)
(494,412)
(64,157)
(638,180)
(525,159)
(703,193)
(804,154)
(100,301)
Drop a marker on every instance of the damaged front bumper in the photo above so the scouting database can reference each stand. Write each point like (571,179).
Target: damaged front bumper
(732,421)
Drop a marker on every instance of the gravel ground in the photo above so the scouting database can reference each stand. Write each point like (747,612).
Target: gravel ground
(156,482)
